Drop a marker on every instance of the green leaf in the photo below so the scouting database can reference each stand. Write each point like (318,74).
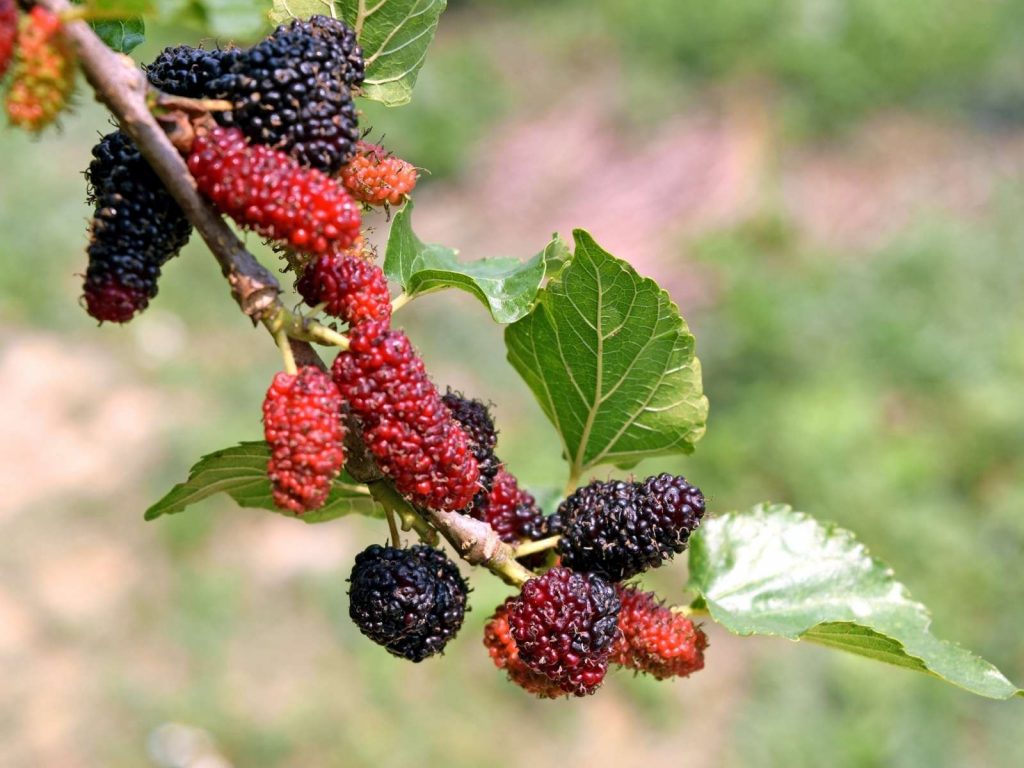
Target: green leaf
(507,287)
(394,34)
(241,473)
(611,362)
(775,571)
(122,36)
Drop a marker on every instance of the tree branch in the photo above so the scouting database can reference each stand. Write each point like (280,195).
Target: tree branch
(121,86)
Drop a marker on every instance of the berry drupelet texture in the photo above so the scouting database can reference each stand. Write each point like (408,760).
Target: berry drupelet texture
(654,640)
(406,426)
(292,91)
(8,33)
(44,72)
(618,529)
(411,601)
(136,228)
(377,177)
(510,511)
(349,287)
(267,191)
(304,430)
(564,624)
(191,72)
(505,654)
(475,419)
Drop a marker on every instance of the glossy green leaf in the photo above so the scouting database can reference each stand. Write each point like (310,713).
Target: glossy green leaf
(507,287)
(394,35)
(241,473)
(611,361)
(122,36)
(775,571)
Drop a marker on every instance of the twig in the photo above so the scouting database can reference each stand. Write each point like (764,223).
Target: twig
(541,545)
(120,86)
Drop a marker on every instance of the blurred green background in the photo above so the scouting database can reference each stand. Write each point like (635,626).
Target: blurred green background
(832,192)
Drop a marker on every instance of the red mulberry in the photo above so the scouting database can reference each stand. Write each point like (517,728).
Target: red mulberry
(505,654)
(376,177)
(654,640)
(350,287)
(618,529)
(8,33)
(303,427)
(564,625)
(405,425)
(44,72)
(267,191)
(512,512)
(137,226)
(411,601)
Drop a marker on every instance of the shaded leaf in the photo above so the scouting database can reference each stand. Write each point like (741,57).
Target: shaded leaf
(775,571)
(611,361)
(241,473)
(122,36)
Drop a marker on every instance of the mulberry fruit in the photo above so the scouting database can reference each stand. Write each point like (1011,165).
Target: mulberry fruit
(8,33)
(405,424)
(564,624)
(293,91)
(618,529)
(191,72)
(475,419)
(411,601)
(512,512)
(376,177)
(505,654)
(137,226)
(304,430)
(654,640)
(267,191)
(44,72)
(350,287)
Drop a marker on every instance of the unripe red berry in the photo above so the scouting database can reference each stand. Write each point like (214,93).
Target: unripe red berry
(405,424)
(655,640)
(303,428)
(376,177)
(350,287)
(505,654)
(267,191)
(8,33)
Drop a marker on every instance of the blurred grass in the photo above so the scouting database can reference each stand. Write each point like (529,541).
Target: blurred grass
(880,390)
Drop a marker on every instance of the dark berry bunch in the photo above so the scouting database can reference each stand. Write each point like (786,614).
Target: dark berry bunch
(475,419)
(136,228)
(411,601)
(304,431)
(619,529)
(43,78)
(191,72)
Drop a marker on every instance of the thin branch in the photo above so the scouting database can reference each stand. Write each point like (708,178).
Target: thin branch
(121,86)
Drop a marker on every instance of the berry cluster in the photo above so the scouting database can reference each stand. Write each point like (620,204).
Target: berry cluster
(348,287)
(44,71)
(136,228)
(304,431)
(190,72)
(655,640)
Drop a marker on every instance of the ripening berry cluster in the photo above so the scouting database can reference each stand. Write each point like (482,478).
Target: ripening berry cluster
(44,66)
(286,162)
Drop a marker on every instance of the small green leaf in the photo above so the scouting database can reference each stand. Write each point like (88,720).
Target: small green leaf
(241,473)
(507,287)
(611,362)
(394,35)
(774,571)
(122,36)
